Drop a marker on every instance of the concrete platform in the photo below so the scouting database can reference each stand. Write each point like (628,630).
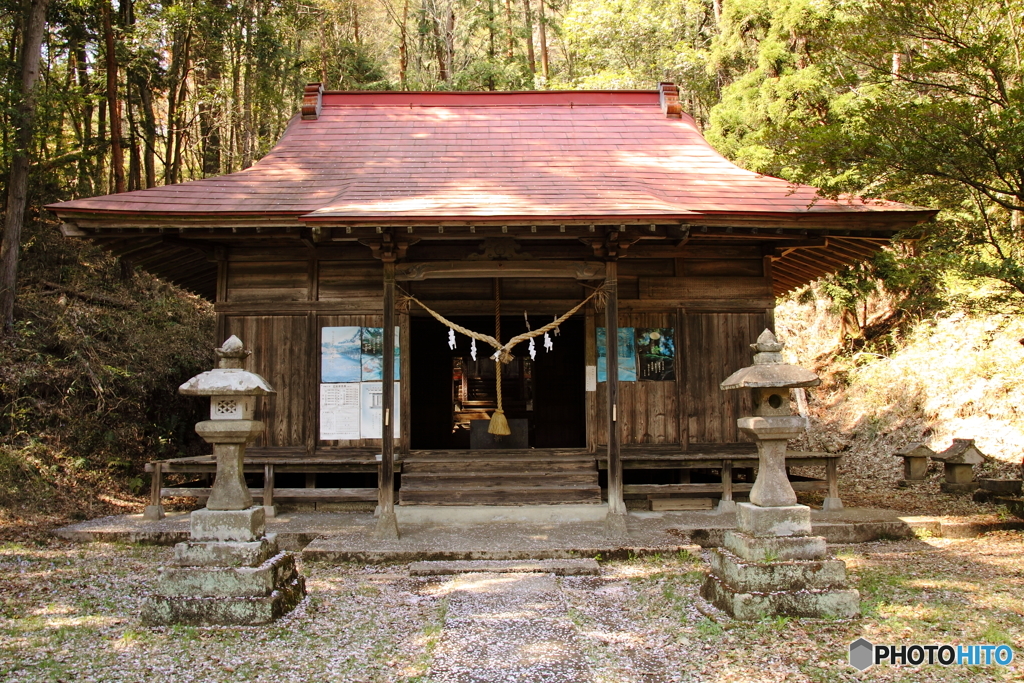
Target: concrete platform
(347,536)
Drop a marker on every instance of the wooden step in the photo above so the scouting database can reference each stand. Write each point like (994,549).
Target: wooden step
(501,496)
(456,466)
(489,479)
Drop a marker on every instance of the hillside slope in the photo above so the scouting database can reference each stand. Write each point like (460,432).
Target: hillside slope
(88,382)
(958,375)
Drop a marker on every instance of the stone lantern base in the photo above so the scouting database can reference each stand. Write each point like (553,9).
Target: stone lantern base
(230,573)
(773,566)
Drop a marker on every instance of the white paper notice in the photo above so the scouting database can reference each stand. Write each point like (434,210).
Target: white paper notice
(372,405)
(591,378)
(339,411)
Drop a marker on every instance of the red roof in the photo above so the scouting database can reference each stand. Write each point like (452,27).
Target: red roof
(417,157)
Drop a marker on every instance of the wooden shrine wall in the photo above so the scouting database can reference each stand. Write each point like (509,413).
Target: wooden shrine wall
(717,299)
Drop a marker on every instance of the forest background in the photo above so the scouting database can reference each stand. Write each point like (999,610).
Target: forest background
(910,100)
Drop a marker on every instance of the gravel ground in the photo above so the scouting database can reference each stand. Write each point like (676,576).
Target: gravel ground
(71,613)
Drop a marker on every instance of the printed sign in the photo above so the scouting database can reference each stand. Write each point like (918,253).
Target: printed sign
(339,411)
(371,399)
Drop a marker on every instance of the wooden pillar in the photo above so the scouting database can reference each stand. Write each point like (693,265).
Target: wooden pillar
(155,511)
(387,523)
(156,483)
(616,505)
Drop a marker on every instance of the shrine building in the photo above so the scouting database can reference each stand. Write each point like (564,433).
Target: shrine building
(354,256)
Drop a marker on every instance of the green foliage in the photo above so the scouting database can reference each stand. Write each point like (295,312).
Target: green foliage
(637,43)
(918,103)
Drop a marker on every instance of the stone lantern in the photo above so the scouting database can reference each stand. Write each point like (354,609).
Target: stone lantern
(231,427)
(771,564)
(231,571)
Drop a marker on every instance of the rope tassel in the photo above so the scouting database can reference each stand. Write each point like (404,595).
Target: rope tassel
(498,425)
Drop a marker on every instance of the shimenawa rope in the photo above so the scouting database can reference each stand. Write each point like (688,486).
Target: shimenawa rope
(503,354)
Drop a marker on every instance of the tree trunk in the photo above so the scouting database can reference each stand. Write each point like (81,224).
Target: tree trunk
(543,40)
(490,41)
(113,105)
(209,108)
(508,27)
(17,188)
(530,57)
(148,131)
(403,48)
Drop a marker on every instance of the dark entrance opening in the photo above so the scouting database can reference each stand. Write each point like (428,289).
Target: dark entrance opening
(449,389)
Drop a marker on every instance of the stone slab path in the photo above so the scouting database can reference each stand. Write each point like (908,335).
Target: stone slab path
(508,628)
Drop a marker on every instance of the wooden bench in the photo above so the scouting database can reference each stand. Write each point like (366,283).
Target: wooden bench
(726,458)
(270,462)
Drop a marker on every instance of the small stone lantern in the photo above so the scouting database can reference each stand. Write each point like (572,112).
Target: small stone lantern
(771,564)
(231,571)
(915,463)
(958,466)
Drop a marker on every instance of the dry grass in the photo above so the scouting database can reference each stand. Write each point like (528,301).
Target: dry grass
(960,376)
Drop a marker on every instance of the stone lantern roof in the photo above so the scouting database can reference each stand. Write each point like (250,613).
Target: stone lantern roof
(769,371)
(228,379)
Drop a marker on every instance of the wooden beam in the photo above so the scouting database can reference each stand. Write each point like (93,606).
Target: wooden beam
(578,270)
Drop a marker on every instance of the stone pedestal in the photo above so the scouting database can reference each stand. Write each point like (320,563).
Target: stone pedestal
(772,565)
(230,573)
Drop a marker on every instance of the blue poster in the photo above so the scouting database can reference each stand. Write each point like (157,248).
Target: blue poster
(627,355)
(372,355)
(340,354)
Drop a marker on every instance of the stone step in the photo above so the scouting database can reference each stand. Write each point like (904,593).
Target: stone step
(582,567)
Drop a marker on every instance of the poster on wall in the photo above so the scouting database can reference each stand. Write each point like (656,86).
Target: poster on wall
(351,370)
(371,356)
(339,411)
(371,395)
(656,354)
(627,355)
(341,354)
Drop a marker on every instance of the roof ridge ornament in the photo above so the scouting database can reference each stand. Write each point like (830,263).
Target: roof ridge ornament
(312,101)
(668,95)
